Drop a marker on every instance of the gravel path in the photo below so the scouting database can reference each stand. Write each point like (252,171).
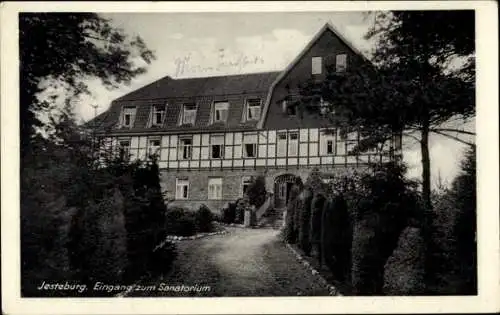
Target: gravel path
(244,262)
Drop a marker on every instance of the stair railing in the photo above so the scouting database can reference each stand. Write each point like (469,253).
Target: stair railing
(268,204)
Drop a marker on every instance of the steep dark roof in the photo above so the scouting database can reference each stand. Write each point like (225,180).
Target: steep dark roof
(203,91)
(203,86)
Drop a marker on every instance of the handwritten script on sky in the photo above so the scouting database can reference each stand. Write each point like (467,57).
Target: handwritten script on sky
(185,66)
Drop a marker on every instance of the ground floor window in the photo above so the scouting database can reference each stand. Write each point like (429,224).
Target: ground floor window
(215,188)
(181,189)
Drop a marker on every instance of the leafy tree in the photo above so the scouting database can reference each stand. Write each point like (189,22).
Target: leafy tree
(63,50)
(256,191)
(414,85)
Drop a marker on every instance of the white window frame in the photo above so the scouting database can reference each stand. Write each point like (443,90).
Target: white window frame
(253,111)
(188,112)
(340,62)
(155,147)
(215,188)
(128,111)
(183,148)
(219,143)
(333,146)
(220,107)
(316,65)
(281,143)
(158,109)
(253,143)
(293,144)
(126,149)
(183,193)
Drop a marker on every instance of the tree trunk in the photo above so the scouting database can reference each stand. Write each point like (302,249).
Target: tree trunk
(427,211)
(426,166)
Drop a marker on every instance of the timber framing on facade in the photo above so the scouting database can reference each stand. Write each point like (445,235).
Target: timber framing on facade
(212,133)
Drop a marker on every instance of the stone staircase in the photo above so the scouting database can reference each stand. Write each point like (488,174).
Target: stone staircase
(272,218)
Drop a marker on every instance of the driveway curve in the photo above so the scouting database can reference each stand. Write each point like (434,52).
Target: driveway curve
(244,262)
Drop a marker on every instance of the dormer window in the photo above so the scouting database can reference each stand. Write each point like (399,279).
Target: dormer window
(341,62)
(188,114)
(128,116)
(323,106)
(220,111)
(316,65)
(158,115)
(288,109)
(253,109)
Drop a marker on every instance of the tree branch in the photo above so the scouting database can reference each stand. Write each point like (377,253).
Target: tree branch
(411,136)
(454,138)
(454,130)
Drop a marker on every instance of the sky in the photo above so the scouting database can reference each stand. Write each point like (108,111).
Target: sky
(208,44)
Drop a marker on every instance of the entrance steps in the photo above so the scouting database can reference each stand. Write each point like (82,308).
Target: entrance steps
(272,218)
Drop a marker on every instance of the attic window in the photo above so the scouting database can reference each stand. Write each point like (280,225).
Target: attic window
(317,65)
(158,115)
(188,114)
(253,109)
(289,109)
(128,116)
(341,62)
(220,112)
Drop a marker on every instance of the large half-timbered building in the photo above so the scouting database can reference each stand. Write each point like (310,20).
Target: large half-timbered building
(212,134)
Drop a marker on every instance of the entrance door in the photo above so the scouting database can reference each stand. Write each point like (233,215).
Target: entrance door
(282,186)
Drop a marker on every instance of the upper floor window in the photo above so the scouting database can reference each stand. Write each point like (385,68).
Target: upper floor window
(250,146)
(330,148)
(316,65)
(124,148)
(282,137)
(220,112)
(253,109)
(128,116)
(185,148)
(188,114)
(288,143)
(341,62)
(158,115)
(154,146)
(293,143)
(217,146)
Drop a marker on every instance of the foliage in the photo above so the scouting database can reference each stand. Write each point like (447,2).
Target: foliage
(386,204)
(410,88)
(336,237)
(180,222)
(65,49)
(304,227)
(228,214)
(404,270)
(203,219)
(291,223)
(453,250)
(464,192)
(316,227)
(99,240)
(256,191)
(161,259)
(242,204)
